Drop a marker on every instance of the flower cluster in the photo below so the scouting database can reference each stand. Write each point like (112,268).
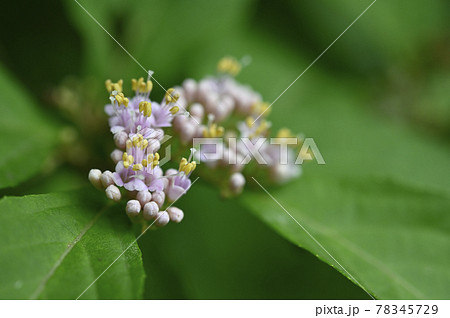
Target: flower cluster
(220,107)
(138,127)
(228,118)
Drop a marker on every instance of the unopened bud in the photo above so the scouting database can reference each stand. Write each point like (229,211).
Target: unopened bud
(179,122)
(188,132)
(211,100)
(95,178)
(175,214)
(151,209)
(190,89)
(113,193)
(153,145)
(282,173)
(197,111)
(143,197)
(237,182)
(159,134)
(162,218)
(159,198)
(107,178)
(133,208)
(120,139)
(171,172)
(116,155)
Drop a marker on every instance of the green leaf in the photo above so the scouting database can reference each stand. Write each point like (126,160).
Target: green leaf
(26,136)
(384,34)
(100,50)
(393,239)
(221,251)
(357,144)
(407,258)
(55,245)
(159,43)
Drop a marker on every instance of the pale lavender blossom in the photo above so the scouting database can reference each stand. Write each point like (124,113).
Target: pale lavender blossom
(178,185)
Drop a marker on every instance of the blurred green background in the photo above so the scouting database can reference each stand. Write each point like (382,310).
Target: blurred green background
(377,104)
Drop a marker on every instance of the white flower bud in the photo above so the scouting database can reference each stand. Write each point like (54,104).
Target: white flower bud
(151,209)
(107,178)
(120,139)
(188,132)
(157,134)
(153,145)
(179,122)
(224,107)
(159,198)
(116,155)
(166,182)
(113,193)
(162,218)
(143,197)
(95,178)
(211,100)
(204,87)
(220,112)
(171,172)
(175,214)
(282,173)
(190,89)
(244,98)
(133,208)
(197,111)
(237,182)
(228,102)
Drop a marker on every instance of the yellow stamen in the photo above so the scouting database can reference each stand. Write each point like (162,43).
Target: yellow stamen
(110,86)
(249,121)
(140,86)
(144,144)
(229,65)
(213,131)
(183,163)
(174,110)
(259,108)
(146,108)
(284,133)
(121,99)
(154,159)
(187,167)
(137,167)
(170,97)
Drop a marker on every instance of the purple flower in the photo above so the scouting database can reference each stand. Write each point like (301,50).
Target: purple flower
(127,178)
(129,119)
(161,116)
(138,170)
(155,180)
(151,179)
(178,185)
